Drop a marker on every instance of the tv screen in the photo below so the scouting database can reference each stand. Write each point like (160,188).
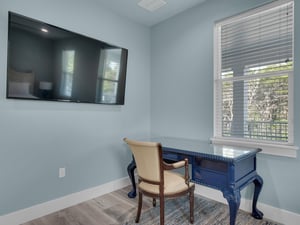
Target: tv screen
(46,62)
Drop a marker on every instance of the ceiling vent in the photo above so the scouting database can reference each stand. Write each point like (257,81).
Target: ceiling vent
(151,5)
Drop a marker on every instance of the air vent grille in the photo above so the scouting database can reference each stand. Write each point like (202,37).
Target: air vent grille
(151,5)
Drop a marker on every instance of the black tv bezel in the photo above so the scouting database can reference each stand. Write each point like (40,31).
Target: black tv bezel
(125,61)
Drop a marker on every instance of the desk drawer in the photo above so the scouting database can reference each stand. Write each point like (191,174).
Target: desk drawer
(209,178)
(210,172)
(210,164)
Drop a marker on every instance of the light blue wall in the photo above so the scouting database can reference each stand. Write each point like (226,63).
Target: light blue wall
(182,90)
(36,138)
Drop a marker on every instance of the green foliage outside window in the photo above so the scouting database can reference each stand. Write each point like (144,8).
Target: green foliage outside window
(265,102)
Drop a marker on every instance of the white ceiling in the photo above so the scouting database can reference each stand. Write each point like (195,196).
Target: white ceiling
(131,10)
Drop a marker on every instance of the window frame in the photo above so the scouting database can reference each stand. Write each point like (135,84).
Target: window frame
(268,147)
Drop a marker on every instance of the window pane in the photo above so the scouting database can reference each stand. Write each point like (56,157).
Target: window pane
(68,57)
(112,64)
(109,91)
(256,108)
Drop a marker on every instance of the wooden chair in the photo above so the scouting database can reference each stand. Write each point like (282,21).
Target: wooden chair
(155,178)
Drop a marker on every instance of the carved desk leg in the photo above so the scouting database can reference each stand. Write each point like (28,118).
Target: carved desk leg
(130,170)
(258,182)
(234,199)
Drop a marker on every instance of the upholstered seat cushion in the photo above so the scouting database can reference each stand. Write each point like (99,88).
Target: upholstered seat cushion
(174,183)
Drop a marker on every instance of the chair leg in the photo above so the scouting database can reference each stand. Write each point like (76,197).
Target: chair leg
(191,195)
(140,202)
(162,210)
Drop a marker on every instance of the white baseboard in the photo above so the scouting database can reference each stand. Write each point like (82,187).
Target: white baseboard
(36,211)
(270,212)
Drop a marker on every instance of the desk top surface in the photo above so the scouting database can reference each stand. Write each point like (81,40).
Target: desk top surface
(204,148)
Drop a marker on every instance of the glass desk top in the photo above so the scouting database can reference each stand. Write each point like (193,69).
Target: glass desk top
(198,147)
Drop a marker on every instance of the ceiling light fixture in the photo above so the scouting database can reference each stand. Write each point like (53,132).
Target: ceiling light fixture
(44,30)
(151,5)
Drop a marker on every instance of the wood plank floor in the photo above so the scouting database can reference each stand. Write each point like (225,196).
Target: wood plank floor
(110,209)
(117,209)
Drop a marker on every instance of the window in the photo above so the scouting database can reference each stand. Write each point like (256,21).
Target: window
(108,76)
(68,57)
(253,81)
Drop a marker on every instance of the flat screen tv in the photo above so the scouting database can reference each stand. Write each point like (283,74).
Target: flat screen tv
(46,62)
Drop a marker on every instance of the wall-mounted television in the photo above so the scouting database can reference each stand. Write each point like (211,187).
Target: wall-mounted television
(46,62)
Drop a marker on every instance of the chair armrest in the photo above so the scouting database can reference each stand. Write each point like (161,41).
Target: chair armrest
(180,164)
(175,165)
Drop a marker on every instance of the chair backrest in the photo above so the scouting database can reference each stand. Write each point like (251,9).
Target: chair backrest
(148,159)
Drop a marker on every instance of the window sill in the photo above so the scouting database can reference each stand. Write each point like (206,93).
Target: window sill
(267,148)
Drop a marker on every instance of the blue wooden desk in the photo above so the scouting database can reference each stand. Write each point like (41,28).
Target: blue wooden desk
(225,168)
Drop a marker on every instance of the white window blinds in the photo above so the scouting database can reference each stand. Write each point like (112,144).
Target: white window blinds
(253,79)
